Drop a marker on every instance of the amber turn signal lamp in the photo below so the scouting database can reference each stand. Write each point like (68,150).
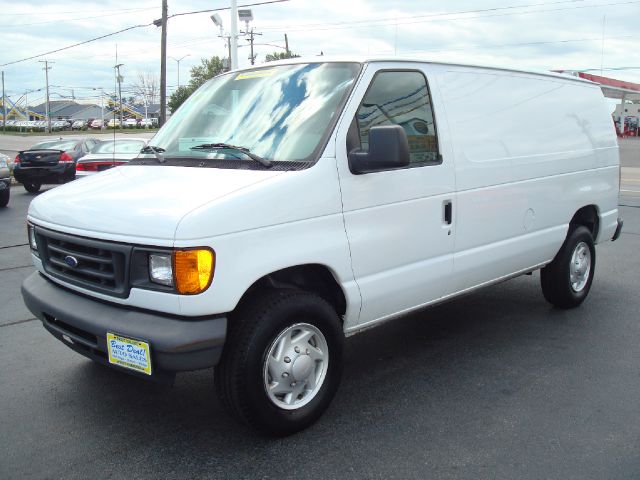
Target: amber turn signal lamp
(193,270)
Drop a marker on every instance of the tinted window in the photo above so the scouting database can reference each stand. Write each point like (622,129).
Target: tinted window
(55,145)
(401,98)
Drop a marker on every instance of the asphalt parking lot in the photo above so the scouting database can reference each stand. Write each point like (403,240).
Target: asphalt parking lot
(494,385)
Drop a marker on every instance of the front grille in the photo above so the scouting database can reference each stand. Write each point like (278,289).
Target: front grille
(92,264)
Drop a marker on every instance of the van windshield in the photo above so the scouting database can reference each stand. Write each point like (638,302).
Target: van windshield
(280,113)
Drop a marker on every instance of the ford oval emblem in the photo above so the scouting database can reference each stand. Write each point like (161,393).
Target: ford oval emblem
(71,261)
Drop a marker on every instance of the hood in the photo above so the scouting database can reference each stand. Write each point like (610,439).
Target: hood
(138,201)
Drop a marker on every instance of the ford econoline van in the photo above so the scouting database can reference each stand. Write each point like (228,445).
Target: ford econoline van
(287,206)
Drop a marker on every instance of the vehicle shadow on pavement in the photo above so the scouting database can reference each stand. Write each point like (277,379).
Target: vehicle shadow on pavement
(434,360)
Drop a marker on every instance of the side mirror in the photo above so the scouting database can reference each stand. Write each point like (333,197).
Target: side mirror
(388,149)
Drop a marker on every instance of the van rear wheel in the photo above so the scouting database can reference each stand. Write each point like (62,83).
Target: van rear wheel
(567,279)
(282,361)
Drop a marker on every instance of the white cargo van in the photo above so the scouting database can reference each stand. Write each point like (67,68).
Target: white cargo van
(286,206)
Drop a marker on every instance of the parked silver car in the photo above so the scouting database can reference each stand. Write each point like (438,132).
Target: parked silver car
(109,154)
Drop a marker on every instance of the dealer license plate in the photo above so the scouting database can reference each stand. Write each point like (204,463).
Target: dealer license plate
(129,353)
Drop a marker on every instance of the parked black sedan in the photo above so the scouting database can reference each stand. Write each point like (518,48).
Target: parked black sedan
(51,161)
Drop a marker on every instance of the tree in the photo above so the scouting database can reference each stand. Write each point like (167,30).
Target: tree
(208,68)
(178,97)
(146,87)
(272,57)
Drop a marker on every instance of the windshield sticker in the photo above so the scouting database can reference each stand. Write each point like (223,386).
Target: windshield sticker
(255,74)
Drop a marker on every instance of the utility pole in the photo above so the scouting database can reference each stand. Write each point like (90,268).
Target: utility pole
(234,34)
(251,34)
(286,45)
(163,66)
(4,107)
(47,110)
(119,78)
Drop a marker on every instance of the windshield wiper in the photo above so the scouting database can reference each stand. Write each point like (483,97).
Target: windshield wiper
(157,152)
(225,146)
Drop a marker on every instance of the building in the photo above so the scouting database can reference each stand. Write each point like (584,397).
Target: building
(69,110)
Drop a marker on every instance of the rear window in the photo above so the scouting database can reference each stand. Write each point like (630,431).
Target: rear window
(55,145)
(119,146)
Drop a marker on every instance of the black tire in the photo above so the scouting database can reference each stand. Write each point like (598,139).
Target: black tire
(32,187)
(4,197)
(555,278)
(253,330)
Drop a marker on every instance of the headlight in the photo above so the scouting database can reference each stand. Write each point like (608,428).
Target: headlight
(189,271)
(3,163)
(193,270)
(33,243)
(161,268)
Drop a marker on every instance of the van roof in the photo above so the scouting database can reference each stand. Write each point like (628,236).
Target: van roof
(366,59)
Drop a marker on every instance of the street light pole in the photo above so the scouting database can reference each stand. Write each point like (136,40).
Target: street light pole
(4,106)
(101,104)
(119,78)
(234,34)
(47,110)
(178,60)
(163,65)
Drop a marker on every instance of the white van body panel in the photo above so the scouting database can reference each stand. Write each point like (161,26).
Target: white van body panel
(276,219)
(402,250)
(294,220)
(552,152)
(522,153)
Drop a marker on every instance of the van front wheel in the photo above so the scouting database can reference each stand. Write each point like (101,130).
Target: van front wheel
(567,279)
(282,361)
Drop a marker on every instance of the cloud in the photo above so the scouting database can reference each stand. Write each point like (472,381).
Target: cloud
(551,34)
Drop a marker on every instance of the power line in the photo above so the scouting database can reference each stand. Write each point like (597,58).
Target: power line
(123,12)
(227,8)
(38,12)
(132,28)
(76,44)
(430,15)
(520,44)
(427,18)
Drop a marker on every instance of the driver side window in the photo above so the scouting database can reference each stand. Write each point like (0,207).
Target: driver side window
(401,98)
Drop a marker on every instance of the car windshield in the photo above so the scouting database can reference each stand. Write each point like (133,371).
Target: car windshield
(119,146)
(280,113)
(55,145)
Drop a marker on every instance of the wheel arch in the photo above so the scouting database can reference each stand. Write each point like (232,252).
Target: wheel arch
(314,278)
(589,217)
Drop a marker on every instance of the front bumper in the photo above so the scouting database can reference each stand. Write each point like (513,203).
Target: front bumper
(177,343)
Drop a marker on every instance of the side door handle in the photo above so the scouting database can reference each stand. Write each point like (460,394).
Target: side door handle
(447,207)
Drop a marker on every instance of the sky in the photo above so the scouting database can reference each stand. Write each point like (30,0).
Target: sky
(528,34)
